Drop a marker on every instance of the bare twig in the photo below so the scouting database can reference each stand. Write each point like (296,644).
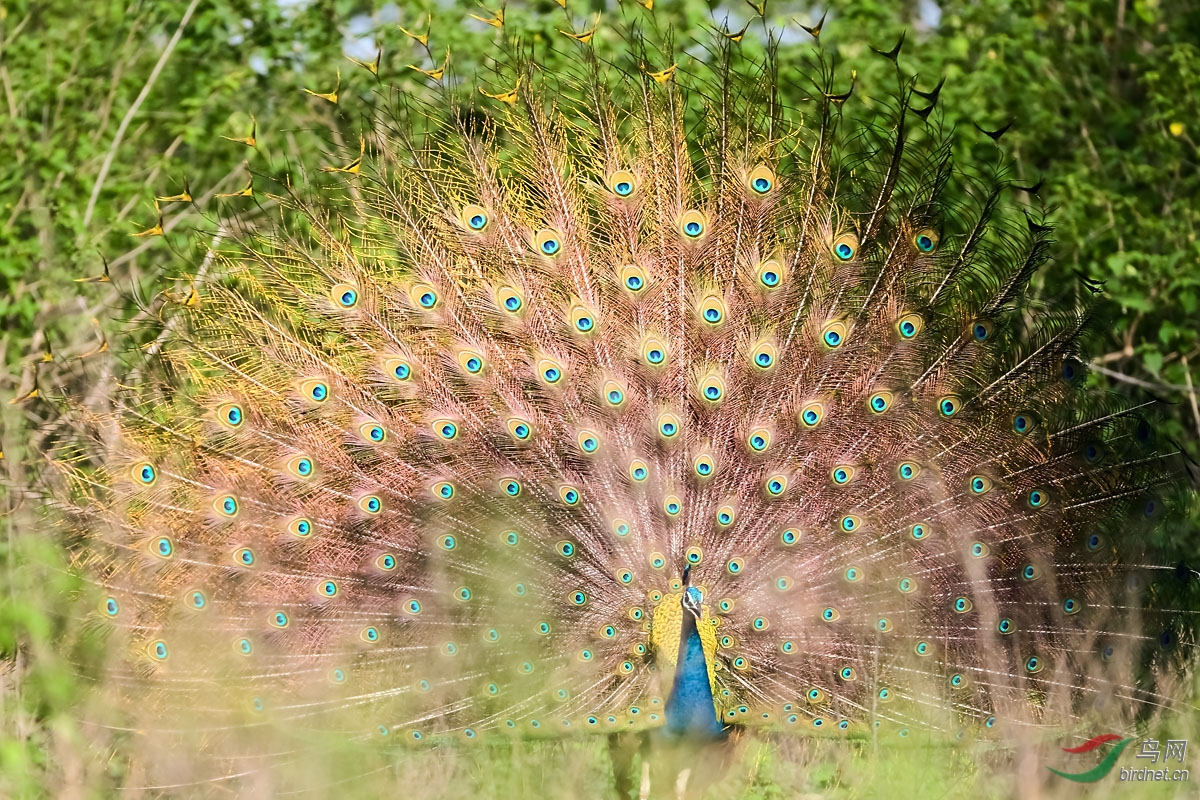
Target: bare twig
(133,109)
(1152,385)
(1187,375)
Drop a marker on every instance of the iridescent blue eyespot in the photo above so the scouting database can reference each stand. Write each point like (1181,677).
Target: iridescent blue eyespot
(761,185)
(769,278)
(1037,498)
(634,282)
(512,303)
(623,188)
(348,298)
(477,221)
(427,298)
(693,228)
(1005,626)
(231,414)
(833,338)
(550,246)
(1071,605)
(1094,541)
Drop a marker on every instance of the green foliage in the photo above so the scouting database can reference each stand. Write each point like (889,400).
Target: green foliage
(102,109)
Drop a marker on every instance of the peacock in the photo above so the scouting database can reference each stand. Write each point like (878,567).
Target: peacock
(636,398)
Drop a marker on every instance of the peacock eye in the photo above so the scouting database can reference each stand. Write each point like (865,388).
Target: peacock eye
(712,388)
(654,352)
(397,368)
(226,506)
(300,466)
(582,320)
(550,371)
(712,310)
(638,470)
(475,217)
(668,426)
(370,504)
(704,466)
(834,334)
(725,516)
(145,474)
(812,414)
(314,390)
(548,242)
(949,405)
(770,274)
(880,402)
(588,441)
(622,183)
(981,330)
(764,356)
(926,240)
(345,295)
(980,484)
(471,361)
(633,278)
(845,246)
(909,325)
(231,415)
(509,299)
(424,295)
(842,474)
(693,224)
(372,432)
(519,429)
(613,394)
(761,179)
(759,440)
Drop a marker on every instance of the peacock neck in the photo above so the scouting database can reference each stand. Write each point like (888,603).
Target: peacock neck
(690,709)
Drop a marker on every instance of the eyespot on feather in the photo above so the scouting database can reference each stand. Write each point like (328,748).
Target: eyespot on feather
(909,325)
(925,240)
(693,225)
(475,218)
(712,310)
(760,180)
(509,299)
(622,183)
(633,278)
(344,295)
(424,296)
(548,242)
(770,274)
(845,247)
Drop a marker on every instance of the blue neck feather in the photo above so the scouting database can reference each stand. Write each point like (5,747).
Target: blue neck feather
(690,710)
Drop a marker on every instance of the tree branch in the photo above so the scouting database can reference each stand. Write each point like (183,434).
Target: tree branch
(133,109)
